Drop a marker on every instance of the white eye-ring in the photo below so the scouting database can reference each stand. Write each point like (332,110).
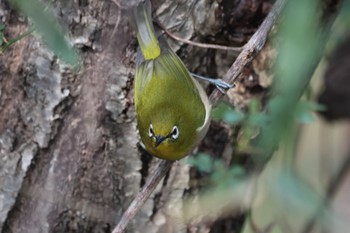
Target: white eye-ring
(150,131)
(174,133)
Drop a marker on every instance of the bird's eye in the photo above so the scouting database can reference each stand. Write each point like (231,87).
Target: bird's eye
(150,131)
(174,133)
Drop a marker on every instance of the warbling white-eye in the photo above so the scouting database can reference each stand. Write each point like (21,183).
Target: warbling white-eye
(172,109)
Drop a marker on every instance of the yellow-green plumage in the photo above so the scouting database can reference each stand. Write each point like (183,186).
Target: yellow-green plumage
(166,96)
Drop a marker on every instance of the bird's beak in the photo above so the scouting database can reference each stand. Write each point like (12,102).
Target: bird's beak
(159,140)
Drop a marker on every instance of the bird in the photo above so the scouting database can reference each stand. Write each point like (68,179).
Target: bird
(172,108)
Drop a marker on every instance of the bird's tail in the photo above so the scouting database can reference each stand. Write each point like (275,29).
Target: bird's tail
(143,25)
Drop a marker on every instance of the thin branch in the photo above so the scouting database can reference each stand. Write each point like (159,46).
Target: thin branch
(197,44)
(152,182)
(252,47)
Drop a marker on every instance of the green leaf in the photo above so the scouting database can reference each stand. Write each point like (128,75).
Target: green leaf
(48,27)
(202,161)
(237,172)
(258,119)
(226,113)
(304,111)
(226,177)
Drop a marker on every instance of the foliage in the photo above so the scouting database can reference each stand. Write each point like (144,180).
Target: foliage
(220,175)
(300,41)
(48,28)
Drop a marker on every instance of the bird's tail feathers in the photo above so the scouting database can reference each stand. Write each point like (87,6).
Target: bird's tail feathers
(145,32)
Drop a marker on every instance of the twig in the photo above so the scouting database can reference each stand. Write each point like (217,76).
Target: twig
(197,44)
(252,47)
(152,182)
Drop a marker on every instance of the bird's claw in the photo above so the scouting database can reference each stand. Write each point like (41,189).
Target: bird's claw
(220,84)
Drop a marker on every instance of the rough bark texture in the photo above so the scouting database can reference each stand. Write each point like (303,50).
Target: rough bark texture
(70,160)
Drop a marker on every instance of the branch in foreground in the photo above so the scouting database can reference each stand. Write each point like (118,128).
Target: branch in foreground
(252,47)
(161,169)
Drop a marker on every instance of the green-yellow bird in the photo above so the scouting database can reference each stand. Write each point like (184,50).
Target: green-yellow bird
(172,109)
